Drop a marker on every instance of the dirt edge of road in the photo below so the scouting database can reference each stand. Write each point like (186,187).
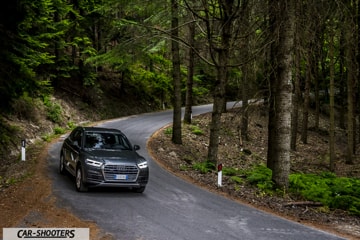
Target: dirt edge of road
(30,202)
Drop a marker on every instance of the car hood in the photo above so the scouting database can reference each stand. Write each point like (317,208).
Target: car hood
(115,156)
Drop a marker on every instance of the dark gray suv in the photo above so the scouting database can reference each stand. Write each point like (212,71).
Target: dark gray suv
(103,157)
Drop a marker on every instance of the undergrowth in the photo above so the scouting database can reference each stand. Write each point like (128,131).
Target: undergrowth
(332,191)
(328,189)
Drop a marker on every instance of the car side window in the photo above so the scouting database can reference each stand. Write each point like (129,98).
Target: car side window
(123,142)
(77,136)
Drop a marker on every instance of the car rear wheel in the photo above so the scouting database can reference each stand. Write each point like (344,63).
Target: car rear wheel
(62,168)
(79,180)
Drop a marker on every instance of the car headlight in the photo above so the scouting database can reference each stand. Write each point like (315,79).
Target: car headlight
(143,165)
(94,163)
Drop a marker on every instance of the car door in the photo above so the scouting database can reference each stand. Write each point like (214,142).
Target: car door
(74,146)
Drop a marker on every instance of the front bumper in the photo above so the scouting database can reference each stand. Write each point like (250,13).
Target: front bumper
(108,176)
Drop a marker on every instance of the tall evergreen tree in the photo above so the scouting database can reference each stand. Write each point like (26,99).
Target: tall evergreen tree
(219,19)
(176,134)
(282,27)
(332,100)
(11,15)
(25,52)
(190,74)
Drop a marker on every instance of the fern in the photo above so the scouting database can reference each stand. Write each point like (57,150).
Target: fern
(237,179)
(204,167)
(338,193)
(261,177)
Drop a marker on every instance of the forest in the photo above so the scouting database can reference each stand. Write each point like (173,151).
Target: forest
(294,55)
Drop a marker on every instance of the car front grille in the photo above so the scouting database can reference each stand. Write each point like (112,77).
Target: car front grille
(123,173)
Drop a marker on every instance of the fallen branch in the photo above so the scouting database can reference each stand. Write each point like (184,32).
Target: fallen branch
(304,203)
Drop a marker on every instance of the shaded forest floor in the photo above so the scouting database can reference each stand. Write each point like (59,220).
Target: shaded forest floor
(309,158)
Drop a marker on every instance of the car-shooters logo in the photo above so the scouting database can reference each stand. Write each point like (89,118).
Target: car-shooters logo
(45,233)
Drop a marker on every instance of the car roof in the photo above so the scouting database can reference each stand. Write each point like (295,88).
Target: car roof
(100,129)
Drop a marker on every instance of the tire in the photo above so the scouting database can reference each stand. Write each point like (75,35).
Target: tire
(79,180)
(139,189)
(62,168)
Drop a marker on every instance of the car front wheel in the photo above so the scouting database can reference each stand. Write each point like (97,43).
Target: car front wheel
(62,168)
(139,189)
(79,180)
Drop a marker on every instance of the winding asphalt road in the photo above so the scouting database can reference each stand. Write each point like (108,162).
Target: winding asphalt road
(170,208)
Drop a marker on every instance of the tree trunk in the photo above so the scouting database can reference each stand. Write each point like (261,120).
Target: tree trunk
(297,92)
(351,86)
(332,103)
(342,83)
(282,24)
(305,118)
(245,105)
(176,134)
(221,79)
(215,125)
(317,92)
(358,63)
(248,76)
(310,64)
(295,102)
(350,118)
(189,82)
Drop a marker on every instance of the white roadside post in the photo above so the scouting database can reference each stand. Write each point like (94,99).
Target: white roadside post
(219,175)
(23,145)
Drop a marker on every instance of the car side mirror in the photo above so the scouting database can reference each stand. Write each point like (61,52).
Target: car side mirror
(136,147)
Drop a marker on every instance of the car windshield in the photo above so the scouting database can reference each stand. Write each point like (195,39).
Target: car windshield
(105,140)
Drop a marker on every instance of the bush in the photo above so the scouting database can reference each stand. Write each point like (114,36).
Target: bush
(59,130)
(54,110)
(196,130)
(337,193)
(168,131)
(261,177)
(71,125)
(27,108)
(7,133)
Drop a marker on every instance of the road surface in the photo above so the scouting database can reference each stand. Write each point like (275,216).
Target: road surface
(170,208)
